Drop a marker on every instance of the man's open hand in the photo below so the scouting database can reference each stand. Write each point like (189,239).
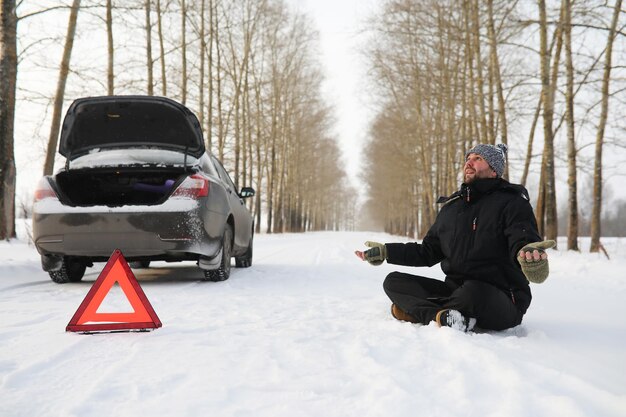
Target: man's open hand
(376,255)
(534,260)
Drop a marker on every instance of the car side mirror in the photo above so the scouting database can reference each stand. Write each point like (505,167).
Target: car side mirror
(246,192)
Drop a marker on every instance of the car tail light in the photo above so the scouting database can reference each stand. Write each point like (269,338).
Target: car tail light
(44,190)
(195,186)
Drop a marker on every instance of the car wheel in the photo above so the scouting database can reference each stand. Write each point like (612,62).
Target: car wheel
(245,261)
(71,271)
(223,272)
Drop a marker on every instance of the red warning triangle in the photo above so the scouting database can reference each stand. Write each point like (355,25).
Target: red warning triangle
(87,318)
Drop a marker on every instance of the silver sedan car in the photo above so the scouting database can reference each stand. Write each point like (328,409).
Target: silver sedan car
(138,178)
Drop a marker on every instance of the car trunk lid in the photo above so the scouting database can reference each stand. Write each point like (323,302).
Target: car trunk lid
(97,123)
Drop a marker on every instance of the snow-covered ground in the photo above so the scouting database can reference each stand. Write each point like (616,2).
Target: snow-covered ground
(307,332)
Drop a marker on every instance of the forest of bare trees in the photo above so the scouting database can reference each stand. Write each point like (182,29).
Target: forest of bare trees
(249,69)
(548,78)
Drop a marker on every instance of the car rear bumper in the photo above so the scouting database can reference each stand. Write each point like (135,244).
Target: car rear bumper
(174,230)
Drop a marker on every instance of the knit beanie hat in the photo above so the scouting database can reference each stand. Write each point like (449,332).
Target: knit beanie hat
(494,155)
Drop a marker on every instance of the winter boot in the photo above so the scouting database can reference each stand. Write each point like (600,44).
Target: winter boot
(401,315)
(455,320)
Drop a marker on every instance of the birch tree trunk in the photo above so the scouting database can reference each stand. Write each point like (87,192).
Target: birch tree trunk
(572,220)
(476,133)
(201,74)
(149,62)
(547,92)
(110,50)
(183,44)
(64,70)
(8,81)
(479,71)
(209,117)
(161,48)
(531,139)
(533,128)
(596,211)
(260,164)
(495,62)
(218,84)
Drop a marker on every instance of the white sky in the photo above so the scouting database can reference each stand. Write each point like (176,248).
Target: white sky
(339,23)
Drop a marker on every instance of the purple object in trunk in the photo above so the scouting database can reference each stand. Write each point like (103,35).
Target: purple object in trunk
(161,189)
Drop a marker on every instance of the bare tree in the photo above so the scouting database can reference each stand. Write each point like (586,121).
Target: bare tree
(547,94)
(64,69)
(495,64)
(480,81)
(8,81)
(183,45)
(533,126)
(159,12)
(110,49)
(209,51)
(531,140)
(477,130)
(202,54)
(572,223)
(149,61)
(597,168)
(218,81)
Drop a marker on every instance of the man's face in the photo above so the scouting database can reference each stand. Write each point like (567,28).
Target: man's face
(476,167)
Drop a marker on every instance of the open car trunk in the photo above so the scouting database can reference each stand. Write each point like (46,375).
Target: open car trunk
(117,187)
(114,122)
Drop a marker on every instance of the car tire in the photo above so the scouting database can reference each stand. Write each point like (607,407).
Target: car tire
(71,271)
(223,272)
(245,261)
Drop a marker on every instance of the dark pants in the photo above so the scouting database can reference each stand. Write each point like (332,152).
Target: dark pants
(423,297)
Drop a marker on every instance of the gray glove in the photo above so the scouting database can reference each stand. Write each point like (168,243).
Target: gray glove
(536,271)
(377,254)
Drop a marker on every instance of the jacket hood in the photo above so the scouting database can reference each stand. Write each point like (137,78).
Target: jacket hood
(95,123)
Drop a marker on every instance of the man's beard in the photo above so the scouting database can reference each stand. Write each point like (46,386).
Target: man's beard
(469,178)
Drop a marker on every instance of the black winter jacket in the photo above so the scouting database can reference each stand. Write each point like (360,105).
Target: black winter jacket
(477,235)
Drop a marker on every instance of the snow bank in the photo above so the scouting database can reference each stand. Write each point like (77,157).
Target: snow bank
(307,332)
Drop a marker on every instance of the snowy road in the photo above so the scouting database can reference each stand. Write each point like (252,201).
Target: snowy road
(307,332)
